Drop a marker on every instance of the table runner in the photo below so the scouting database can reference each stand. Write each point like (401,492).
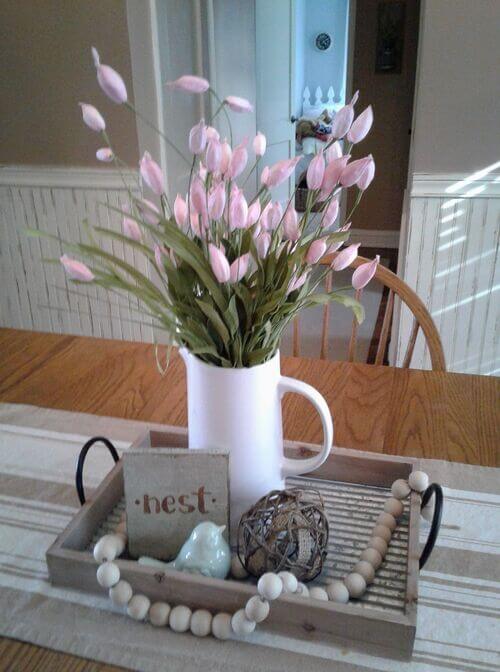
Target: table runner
(458,626)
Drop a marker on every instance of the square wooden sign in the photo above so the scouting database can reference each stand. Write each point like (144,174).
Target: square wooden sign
(168,491)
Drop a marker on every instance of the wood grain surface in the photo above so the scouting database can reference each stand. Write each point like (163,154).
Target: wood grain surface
(394,411)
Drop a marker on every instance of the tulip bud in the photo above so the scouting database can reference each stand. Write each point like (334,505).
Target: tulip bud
(190,84)
(354,99)
(316,250)
(152,174)
(217,201)
(259,144)
(331,214)
(92,117)
(149,211)
(219,263)
(361,126)
(275,215)
(238,161)
(76,269)
(345,258)
(264,176)
(237,104)
(253,213)
(262,243)
(297,282)
(279,172)
(364,273)
(291,225)
(198,138)
(212,133)
(367,176)
(315,172)
(238,212)
(333,152)
(332,175)
(342,121)
(131,229)
(239,268)
(180,211)
(213,156)
(353,171)
(159,252)
(109,80)
(105,154)
(226,154)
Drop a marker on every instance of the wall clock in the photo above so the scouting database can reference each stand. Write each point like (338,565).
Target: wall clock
(323,41)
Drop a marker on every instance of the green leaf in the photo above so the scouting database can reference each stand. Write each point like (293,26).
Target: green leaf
(216,321)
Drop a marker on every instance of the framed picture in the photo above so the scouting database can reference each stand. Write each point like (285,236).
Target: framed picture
(390,37)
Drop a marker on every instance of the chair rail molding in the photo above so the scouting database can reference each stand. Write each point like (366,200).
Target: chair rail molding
(450,243)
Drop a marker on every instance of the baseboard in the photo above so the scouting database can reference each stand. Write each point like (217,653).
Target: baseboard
(71,177)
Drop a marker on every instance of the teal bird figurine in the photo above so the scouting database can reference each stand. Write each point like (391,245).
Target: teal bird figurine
(204,552)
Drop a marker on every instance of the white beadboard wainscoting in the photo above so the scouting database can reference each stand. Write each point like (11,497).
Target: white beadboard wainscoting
(35,295)
(451,261)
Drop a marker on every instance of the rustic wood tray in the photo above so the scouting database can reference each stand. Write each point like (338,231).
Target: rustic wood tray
(354,486)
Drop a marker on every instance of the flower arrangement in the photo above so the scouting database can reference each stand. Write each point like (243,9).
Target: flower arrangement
(229,273)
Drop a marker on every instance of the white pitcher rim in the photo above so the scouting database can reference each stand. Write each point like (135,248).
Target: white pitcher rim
(185,352)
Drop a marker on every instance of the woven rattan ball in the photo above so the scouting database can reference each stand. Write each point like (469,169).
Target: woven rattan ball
(287,530)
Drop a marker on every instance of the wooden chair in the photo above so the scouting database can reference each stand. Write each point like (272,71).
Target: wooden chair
(394,286)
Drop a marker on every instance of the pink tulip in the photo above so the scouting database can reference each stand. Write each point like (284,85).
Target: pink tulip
(364,273)
(279,172)
(217,201)
(345,258)
(315,172)
(131,228)
(219,263)
(237,104)
(354,99)
(159,252)
(105,154)
(226,154)
(333,171)
(336,246)
(92,117)
(238,160)
(195,224)
(361,126)
(198,138)
(238,211)
(149,211)
(253,213)
(331,214)
(202,172)
(239,268)
(333,152)
(297,282)
(190,84)
(315,251)
(265,216)
(291,225)
(353,171)
(259,144)
(366,178)
(180,211)
(152,174)
(212,133)
(342,121)
(76,270)
(262,243)
(213,156)
(275,215)
(109,80)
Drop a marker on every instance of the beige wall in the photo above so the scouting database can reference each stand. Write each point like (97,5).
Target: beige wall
(391,95)
(46,69)
(456,117)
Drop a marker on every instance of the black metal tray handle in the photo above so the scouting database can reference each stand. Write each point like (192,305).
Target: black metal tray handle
(436,490)
(81,461)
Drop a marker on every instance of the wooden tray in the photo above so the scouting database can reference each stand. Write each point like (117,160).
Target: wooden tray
(354,487)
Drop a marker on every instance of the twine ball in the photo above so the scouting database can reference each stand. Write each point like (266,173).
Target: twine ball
(287,530)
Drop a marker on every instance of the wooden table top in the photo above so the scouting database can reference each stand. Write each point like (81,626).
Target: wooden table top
(394,411)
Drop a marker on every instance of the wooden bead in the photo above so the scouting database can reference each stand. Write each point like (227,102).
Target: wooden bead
(372,556)
(159,613)
(302,590)
(108,574)
(382,531)
(355,584)
(289,580)
(366,570)
(221,626)
(318,593)
(418,481)
(108,548)
(138,607)
(121,593)
(240,623)
(388,520)
(394,507)
(400,489)
(237,569)
(378,544)
(257,609)
(201,622)
(179,618)
(270,586)
(337,592)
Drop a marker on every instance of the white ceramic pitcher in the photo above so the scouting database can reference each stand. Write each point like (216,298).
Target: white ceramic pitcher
(240,409)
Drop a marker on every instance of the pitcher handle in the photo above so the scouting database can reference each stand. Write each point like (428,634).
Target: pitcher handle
(297,467)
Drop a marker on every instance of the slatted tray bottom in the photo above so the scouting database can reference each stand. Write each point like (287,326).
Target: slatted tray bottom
(352,510)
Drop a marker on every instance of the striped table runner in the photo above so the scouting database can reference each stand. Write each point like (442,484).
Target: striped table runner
(458,625)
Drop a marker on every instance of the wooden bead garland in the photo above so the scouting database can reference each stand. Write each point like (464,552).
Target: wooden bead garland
(270,585)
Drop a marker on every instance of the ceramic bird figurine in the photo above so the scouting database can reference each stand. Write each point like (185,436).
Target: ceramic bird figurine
(204,552)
